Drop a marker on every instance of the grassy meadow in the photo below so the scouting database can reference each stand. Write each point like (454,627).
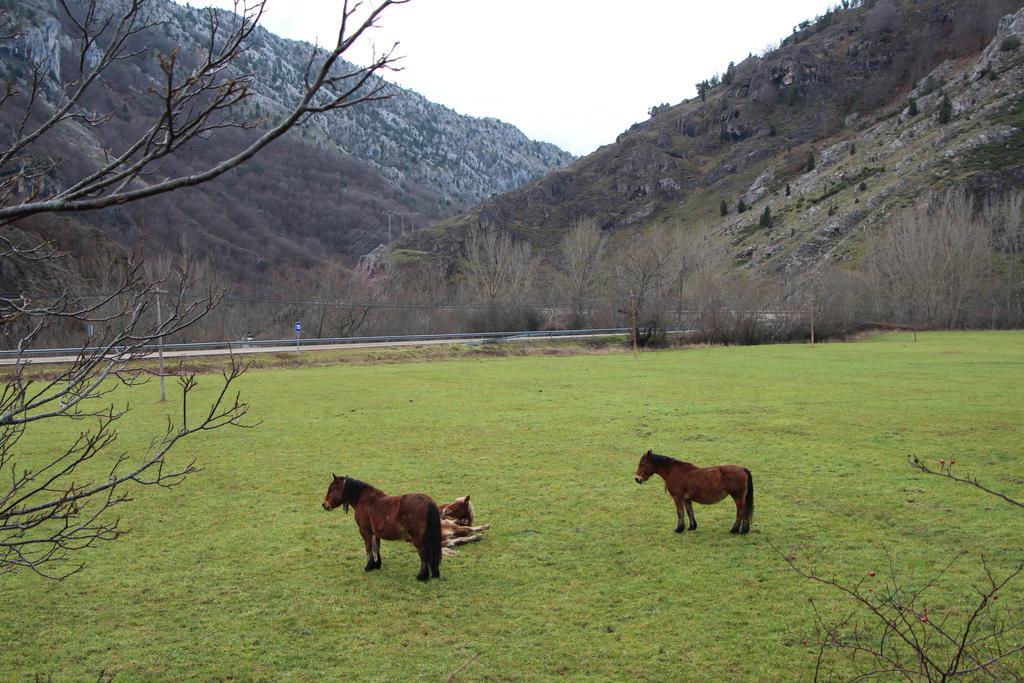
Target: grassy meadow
(239,574)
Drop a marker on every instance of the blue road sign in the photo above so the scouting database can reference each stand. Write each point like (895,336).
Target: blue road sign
(298,326)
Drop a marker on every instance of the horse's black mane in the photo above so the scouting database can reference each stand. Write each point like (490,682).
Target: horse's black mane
(664,459)
(352,490)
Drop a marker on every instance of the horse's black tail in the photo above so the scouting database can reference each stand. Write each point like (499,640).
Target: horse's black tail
(750,494)
(432,539)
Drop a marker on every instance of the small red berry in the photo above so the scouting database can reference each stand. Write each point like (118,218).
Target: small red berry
(871,573)
(942,462)
(924,618)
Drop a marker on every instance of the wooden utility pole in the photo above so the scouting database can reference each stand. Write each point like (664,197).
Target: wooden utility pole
(160,348)
(632,314)
(812,318)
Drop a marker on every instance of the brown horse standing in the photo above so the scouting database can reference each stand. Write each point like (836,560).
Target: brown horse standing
(687,483)
(413,517)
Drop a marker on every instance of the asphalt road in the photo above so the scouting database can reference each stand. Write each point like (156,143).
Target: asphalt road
(242,349)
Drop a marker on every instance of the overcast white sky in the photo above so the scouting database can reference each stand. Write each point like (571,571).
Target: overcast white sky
(572,72)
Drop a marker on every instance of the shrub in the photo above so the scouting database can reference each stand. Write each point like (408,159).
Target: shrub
(1010,44)
(912,110)
(741,207)
(723,209)
(766,217)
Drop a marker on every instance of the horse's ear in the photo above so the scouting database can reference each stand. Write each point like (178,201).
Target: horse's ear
(466,499)
(335,476)
(649,452)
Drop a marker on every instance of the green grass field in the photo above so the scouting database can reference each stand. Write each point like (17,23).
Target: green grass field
(239,574)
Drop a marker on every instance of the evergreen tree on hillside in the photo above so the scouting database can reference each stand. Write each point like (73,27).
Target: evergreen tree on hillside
(730,74)
(945,110)
(766,217)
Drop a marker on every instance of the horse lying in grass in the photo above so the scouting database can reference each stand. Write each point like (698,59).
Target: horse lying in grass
(412,517)
(457,528)
(459,510)
(687,483)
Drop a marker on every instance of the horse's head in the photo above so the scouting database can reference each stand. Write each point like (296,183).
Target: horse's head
(460,511)
(336,494)
(645,469)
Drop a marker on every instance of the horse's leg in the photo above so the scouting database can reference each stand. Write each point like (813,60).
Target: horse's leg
(424,574)
(367,535)
(462,540)
(376,552)
(457,530)
(681,516)
(738,499)
(689,513)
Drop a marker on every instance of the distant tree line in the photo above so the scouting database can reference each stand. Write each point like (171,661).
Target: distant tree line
(949,262)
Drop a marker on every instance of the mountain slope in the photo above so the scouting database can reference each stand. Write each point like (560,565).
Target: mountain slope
(836,91)
(326,191)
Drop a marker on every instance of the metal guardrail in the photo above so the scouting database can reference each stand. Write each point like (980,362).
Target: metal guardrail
(323,341)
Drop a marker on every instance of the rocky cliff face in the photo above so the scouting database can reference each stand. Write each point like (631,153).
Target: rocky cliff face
(325,191)
(835,93)
(407,137)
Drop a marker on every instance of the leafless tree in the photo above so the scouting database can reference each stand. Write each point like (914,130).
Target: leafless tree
(49,505)
(581,272)
(55,504)
(892,634)
(646,271)
(345,299)
(932,261)
(831,302)
(499,272)
(200,95)
(1006,218)
(701,272)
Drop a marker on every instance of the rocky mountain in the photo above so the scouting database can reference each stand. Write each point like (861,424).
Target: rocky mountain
(326,191)
(831,132)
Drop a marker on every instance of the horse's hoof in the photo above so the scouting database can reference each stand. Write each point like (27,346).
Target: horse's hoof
(744,531)
(680,529)
(369,568)
(423,577)
(734,530)
(693,528)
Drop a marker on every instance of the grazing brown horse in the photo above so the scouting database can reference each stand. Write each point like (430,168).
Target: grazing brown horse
(413,517)
(687,483)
